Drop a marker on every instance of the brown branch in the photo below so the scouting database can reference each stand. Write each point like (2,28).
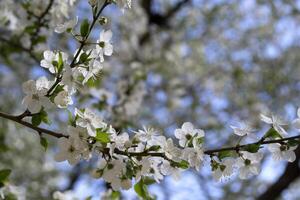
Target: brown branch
(211,152)
(29,125)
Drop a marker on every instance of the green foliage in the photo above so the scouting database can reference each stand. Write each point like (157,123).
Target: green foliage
(84,28)
(252,148)
(40,117)
(224,154)
(142,191)
(183,164)
(44,142)
(292,143)
(60,64)
(154,148)
(102,137)
(4,174)
(272,133)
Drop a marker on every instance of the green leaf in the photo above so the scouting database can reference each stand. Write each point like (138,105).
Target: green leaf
(36,120)
(115,195)
(224,154)
(183,164)
(60,64)
(149,181)
(88,198)
(102,137)
(292,143)
(272,133)
(141,189)
(44,117)
(4,174)
(44,142)
(154,148)
(84,28)
(252,148)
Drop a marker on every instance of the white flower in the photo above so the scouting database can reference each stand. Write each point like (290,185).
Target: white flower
(167,169)
(68,79)
(155,170)
(63,99)
(296,122)
(113,172)
(145,168)
(249,164)
(89,120)
(276,122)
(35,92)
(194,156)
(93,70)
(243,130)
(68,151)
(280,152)
(146,134)
(170,150)
(66,195)
(68,25)
(187,132)
(225,169)
(123,4)
(104,47)
(50,57)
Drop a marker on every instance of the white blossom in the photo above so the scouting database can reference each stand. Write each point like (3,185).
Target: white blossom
(89,120)
(50,57)
(249,164)
(66,195)
(68,25)
(276,122)
(36,92)
(104,46)
(225,169)
(243,130)
(146,134)
(280,152)
(167,169)
(187,132)
(68,150)
(93,71)
(63,99)
(194,156)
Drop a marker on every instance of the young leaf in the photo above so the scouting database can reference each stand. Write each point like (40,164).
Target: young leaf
(60,62)
(224,154)
(141,189)
(36,120)
(183,164)
(84,28)
(252,148)
(4,174)
(272,133)
(293,143)
(44,117)
(44,142)
(102,137)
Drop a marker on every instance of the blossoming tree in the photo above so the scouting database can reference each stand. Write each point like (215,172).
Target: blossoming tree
(105,133)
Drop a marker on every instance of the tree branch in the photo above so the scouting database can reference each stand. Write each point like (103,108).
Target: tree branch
(211,152)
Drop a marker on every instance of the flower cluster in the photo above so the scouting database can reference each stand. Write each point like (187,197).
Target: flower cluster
(138,155)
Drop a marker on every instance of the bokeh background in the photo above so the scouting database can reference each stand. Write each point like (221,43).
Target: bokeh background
(214,63)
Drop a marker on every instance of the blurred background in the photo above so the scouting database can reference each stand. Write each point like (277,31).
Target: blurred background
(214,63)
